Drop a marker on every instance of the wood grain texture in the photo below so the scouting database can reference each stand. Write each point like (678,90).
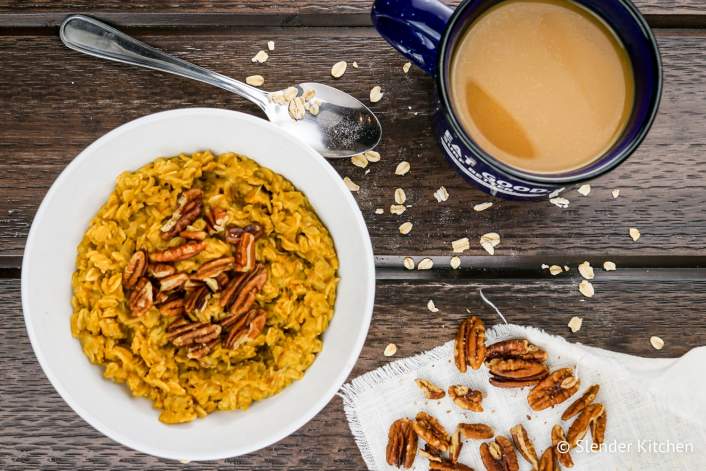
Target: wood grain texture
(40,431)
(53,110)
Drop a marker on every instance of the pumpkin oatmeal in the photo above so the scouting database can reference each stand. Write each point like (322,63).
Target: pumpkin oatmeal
(204,283)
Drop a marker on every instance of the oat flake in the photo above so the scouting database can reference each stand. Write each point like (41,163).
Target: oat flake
(355,65)
(586,288)
(555,270)
(425,264)
(431,306)
(372,156)
(408,263)
(260,57)
(405,228)
(455,262)
(575,324)
(390,350)
(376,94)
(586,270)
(657,342)
(397,209)
(359,160)
(560,202)
(338,69)
(634,233)
(406,67)
(482,206)
(489,241)
(402,168)
(400,196)
(615,193)
(350,184)
(461,245)
(255,80)
(441,195)
(584,190)
(271,45)
(609,266)
(379,211)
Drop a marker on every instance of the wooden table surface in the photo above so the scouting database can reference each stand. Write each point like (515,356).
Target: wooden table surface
(54,102)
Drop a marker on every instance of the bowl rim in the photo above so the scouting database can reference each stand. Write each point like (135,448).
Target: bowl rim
(366,307)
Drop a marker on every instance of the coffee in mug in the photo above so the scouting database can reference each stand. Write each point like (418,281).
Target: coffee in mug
(544,86)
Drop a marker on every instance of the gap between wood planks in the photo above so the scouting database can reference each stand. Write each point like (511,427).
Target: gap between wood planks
(46,23)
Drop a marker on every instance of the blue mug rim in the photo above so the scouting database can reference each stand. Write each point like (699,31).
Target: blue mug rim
(529,177)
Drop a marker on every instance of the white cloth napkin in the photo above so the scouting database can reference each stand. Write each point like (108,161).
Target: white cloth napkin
(656,407)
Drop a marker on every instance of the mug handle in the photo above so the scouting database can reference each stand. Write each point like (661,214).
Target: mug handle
(413,27)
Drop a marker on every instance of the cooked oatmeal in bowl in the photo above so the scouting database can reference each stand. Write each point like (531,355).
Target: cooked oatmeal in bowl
(204,283)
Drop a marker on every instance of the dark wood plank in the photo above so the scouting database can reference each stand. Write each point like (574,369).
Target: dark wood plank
(41,431)
(162,13)
(51,112)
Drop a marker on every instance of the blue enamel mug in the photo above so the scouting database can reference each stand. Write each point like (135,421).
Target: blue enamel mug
(427,31)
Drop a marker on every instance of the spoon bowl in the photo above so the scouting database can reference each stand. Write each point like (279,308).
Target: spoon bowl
(342,128)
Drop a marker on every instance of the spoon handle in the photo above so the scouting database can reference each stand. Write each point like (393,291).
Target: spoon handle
(95,38)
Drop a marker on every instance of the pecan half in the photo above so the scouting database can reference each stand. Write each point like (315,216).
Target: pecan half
(579,427)
(213,268)
(216,219)
(161,270)
(517,368)
(499,455)
(598,427)
(172,282)
(524,445)
(134,269)
(197,299)
(430,453)
(401,444)
(140,300)
(548,460)
(506,383)
(553,390)
(180,252)
(580,404)
(249,328)
(245,297)
(476,431)
(198,351)
(429,389)
(466,398)
(443,465)
(184,334)
(455,446)
(561,452)
(431,431)
(193,235)
(245,252)
(172,307)
(469,348)
(516,348)
(190,203)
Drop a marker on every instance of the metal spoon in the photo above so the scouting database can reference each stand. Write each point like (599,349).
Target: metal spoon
(343,127)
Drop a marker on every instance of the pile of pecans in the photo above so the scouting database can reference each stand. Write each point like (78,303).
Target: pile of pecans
(230,281)
(513,363)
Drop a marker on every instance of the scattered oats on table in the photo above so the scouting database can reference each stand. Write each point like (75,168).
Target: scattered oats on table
(559,202)
(482,206)
(271,45)
(575,324)
(355,65)
(489,241)
(461,245)
(255,80)
(406,67)
(350,184)
(402,168)
(586,288)
(425,264)
(441,194)
(609,266)
(390,350)
(408,263)
(634,233)
(657,342)
(338,69)
(379,211)
(400,196)
(260,57)
(615,193)
(555,270)
(405,228)
(376,94)
(431,306)
(584,189)
(455,262)
(586,270)
(372,156)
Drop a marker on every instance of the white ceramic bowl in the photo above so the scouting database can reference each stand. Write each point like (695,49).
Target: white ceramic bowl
(49,261)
